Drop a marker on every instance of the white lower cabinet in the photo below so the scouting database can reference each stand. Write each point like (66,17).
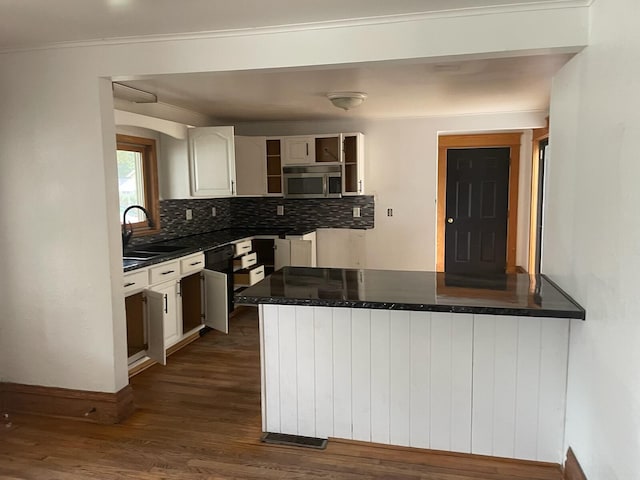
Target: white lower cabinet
(162,314)
(295,251)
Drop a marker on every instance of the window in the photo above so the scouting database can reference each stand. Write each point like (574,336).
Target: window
(138,181)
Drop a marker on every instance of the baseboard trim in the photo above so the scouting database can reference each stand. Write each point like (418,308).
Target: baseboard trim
(572,469)
(98,407)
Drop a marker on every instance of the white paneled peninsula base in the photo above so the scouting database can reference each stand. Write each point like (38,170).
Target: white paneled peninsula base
(416,359)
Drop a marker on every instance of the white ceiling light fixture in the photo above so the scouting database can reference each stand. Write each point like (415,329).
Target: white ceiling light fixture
(135,95)
(347,100)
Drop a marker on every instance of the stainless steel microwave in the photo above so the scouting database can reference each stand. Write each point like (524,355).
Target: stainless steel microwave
(316,180)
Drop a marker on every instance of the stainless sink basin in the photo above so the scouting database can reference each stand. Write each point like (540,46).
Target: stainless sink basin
(140,255)
(159,249)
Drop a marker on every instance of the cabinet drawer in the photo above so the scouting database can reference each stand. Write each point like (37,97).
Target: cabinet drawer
(245,261)
(135,281)
(192,263)
(164,272)
(241,248)
(248,277)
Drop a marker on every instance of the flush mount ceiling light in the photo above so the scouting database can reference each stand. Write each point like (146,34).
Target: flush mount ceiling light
(346,100)
(131,94)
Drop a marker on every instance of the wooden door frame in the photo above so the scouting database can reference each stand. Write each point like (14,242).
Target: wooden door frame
(539,134)
(510,140)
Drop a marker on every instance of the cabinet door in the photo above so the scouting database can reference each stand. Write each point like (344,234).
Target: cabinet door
(282,253)
(212,161)
(172,330)
(216,313)
(298,150)
(353,158)
(301,253)
(155,313)
(251,173)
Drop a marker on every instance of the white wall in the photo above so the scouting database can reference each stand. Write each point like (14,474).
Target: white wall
(61,285)
(401,158)
(592,238)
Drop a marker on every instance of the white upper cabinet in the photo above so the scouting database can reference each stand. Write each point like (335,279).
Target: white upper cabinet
(299,150)
(353,161)
(212,166)
(251,165)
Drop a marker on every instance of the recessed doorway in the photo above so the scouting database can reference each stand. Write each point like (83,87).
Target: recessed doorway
(477,203)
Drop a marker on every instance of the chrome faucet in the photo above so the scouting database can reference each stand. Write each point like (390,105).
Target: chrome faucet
(126,235)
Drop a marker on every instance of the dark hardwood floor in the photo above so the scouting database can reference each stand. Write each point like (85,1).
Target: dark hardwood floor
(199,417)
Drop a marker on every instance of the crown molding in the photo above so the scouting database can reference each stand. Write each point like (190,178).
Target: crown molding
(356,22)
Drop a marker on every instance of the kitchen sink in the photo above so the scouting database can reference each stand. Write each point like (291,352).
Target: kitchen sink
(140,255)
(159,249)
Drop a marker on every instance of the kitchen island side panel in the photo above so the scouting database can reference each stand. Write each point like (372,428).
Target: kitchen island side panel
(486,384)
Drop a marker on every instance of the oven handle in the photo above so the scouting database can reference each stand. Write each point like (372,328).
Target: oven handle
(325,186)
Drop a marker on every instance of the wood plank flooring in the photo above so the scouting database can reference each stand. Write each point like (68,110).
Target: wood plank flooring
(199,418)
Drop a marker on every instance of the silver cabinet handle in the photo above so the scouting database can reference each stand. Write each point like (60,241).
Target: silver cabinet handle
(166,303)
(130,284)
(359,186)
(307,145)
(233,187)
(194,264)
(167,272)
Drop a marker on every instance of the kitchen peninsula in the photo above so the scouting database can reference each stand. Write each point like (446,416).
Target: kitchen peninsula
(422,359)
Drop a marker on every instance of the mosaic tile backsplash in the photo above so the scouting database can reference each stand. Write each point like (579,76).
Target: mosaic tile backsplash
(259,212)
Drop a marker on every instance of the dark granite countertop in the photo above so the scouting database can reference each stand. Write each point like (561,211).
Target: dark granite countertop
(511,294)
(207,241)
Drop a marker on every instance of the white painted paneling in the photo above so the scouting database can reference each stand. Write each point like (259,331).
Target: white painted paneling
(420,406)
(484,384)
(288,369)
(323,352)
(271,372)
(528,388)
(461,380)
(342,368)
(519,374)
(400,378)
(554,345)
(380,375)
(451,381)
(361,374)
(305,371)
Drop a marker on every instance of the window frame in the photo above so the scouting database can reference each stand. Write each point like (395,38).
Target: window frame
(147,147)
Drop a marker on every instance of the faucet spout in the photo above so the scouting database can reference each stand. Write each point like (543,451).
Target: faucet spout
(128,233)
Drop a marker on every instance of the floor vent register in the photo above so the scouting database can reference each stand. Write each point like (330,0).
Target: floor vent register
(294,440)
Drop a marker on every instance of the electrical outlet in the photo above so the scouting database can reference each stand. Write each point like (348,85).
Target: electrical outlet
(389,212)
(356,212)
(189,214)
(213,211)
(280,210)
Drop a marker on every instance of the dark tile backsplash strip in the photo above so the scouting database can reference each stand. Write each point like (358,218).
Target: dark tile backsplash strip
(258,212)
(174,223)
(261,212)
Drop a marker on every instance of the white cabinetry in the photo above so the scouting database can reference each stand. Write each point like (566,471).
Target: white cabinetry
(251,165)
(169,302)
(169,312)
(212,161)
(295,251)
(353,164)
(298,150)
(246,270)
(341,248)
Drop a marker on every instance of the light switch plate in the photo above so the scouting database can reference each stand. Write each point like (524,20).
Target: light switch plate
(356,212)
(189,214)
(213,211)
(280,210)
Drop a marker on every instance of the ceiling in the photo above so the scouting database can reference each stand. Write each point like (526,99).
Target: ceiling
(395,90)
(398,89)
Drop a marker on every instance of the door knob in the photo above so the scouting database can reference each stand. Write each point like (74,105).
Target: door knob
(449,220)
